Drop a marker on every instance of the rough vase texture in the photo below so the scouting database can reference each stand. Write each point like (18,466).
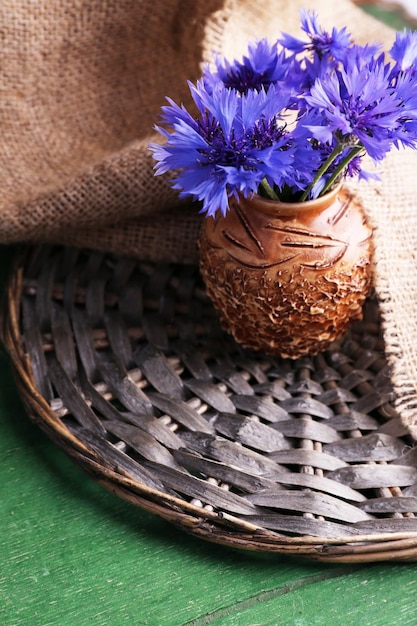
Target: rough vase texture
(288,279)
(81,85)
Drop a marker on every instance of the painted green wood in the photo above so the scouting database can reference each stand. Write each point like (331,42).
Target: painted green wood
(379,595)
(73,554)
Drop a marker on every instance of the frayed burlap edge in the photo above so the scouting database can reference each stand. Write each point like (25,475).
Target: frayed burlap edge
(392,208)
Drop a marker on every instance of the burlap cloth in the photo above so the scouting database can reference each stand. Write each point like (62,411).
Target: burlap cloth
(81,85)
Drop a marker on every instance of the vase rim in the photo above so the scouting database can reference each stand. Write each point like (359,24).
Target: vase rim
(306,204)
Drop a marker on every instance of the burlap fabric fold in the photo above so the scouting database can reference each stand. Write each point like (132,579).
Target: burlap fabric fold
(81,86)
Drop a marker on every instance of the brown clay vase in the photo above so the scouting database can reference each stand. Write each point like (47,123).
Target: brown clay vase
(288,278)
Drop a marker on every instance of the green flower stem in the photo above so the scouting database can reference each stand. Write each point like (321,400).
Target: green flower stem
(270,193)
(336,151)
(343,164)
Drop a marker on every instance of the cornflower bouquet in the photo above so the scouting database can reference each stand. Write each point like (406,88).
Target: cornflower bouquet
(291,119)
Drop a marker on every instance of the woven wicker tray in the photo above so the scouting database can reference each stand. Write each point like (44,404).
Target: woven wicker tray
(124,365)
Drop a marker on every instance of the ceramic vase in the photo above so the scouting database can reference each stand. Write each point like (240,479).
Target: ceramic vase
(288,278)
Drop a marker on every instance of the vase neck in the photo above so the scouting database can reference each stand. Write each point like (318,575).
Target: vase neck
(277,207)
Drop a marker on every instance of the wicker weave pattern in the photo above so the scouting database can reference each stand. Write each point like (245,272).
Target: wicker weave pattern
(123,363)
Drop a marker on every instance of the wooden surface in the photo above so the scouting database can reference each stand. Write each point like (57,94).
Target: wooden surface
(73,554)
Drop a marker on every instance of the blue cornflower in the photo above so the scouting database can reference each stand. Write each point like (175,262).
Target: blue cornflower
(236,142)
(354,169)
(263,66)
(290,119)
(404,50)
(368,57)
(308,154)
(358,108)
(322,43)
(405,133)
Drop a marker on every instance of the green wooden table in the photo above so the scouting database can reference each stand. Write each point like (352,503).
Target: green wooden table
(73,554)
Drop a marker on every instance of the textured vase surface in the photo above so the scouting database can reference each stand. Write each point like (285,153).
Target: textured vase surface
(288,278)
